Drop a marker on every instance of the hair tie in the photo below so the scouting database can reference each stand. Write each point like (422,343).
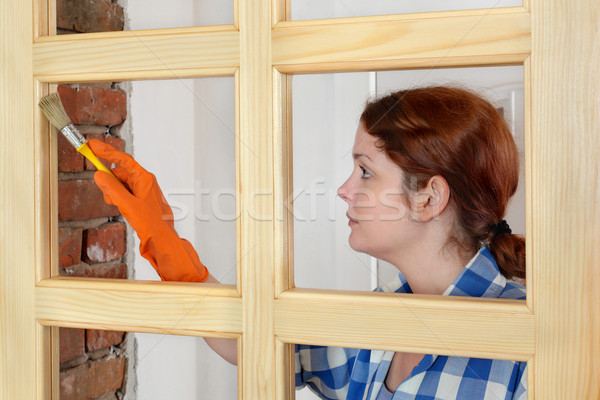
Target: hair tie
(501,228)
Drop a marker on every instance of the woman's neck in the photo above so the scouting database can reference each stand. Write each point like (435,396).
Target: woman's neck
(429,266)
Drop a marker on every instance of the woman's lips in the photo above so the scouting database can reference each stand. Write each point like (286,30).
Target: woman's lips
(350,220)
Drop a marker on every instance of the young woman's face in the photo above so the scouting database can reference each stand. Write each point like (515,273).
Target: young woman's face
(380,221)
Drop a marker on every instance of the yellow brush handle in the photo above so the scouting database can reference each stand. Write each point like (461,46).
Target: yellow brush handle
(89,154)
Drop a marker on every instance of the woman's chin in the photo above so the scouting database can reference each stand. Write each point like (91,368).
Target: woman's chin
(361,247)
(356,245)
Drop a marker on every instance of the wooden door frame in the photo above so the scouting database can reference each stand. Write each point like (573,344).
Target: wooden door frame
(557,330)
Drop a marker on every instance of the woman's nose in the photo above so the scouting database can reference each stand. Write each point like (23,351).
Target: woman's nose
(343,191)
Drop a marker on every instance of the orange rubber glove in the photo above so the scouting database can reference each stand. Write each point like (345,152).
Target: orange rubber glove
(148,213)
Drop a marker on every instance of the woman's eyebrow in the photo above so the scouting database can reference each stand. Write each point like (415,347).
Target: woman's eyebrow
(357,155)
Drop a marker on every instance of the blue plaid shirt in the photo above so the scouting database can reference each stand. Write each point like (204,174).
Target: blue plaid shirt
(344,373)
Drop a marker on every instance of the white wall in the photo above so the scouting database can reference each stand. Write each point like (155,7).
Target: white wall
(317,9)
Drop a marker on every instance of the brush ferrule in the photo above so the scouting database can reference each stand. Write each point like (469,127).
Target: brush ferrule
(73,135)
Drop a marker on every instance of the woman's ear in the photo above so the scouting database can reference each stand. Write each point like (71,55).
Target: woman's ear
(431,201)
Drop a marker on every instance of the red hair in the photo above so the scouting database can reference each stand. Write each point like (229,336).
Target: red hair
(458,135)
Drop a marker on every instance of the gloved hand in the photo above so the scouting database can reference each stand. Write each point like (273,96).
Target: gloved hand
(148,213)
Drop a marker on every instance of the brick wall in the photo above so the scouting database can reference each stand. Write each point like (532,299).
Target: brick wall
(92,235)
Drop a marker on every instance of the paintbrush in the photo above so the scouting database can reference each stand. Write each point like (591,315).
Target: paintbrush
(53,109)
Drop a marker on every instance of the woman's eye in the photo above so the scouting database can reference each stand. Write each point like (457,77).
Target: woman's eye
(365,174)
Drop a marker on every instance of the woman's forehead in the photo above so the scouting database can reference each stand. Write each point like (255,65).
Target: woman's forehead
(365,144)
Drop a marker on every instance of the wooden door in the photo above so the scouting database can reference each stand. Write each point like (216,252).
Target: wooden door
(556,330)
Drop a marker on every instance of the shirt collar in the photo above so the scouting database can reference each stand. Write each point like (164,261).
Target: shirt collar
(479,278)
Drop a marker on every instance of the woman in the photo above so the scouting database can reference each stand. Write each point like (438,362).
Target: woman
(434,169)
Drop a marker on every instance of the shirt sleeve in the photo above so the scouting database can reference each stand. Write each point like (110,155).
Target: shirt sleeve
(521,388)
(325,370)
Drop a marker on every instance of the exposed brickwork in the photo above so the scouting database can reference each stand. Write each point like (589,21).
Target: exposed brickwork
(72,343)
(69,160)
(73,383)
(110,270)
(69,246)
(94,105)
(105,375)
(96,339)
(89,15)
(109,396)
(93,379)
(81,199)
(104,243)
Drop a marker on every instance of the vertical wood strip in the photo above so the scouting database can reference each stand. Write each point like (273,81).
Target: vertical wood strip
(236,13)
(288,174)
(46,214)
(278,7)
(40,18)
(45,191)
(238,186)
(284,273)
(529,153)
(282,11)
(46,239)
(54,363)
(257,198)
(286,389)
(565,79)
(44,362)
(283,182)
(17,204)
(284,250)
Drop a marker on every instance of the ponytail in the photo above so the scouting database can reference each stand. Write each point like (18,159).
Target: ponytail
(509,252)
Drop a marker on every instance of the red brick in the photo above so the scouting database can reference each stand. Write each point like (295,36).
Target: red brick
(71,343)
(89,15)
(92,130)
(81,199)
(104,243)
(108,396)
(69,160)
(115,142)
(93,379)
(69,242)
(105,375)
(94,105)
(73,383)
(97,339)
(108,271)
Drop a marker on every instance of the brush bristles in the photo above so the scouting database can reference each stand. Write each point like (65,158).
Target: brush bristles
(53,110)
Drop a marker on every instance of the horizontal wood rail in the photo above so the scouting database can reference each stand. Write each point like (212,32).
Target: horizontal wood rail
(458,326)
(155,307)
(161,53)
(442,39)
